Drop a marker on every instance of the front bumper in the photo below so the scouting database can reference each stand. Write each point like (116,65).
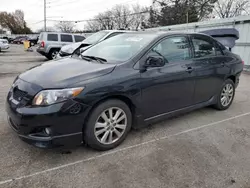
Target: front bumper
(65,120)
(4,47)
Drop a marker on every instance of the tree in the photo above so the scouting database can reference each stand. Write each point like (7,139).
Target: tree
(119,17)
(14,22)
(93,25)
(65,26)
(140,18)
(171,12)
(231,8)
(105,20)
(2,31)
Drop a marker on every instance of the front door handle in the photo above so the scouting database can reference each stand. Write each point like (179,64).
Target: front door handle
(189,69)
(223,64)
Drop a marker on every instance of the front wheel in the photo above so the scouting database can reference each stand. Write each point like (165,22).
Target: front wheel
(108,125)
(53,54)
(226,95)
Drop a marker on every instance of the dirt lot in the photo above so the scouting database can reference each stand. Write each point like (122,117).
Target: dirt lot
(205,148)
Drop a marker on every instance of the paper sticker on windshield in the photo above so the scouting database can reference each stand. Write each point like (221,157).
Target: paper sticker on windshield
(134,39)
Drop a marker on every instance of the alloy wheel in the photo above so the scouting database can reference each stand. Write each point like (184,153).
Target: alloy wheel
(110,125)
(227,95)
(54,54)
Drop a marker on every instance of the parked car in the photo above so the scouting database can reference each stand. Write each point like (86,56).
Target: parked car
(20,39)
(50,43)
(8,39)
(4,45)
(129,80)
(33,41)
(95,38)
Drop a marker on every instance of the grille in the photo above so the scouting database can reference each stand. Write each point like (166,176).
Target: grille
(18,94)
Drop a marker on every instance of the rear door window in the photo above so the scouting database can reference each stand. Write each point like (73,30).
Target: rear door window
(79,38)
(66,38)
(203,46)
(52,37)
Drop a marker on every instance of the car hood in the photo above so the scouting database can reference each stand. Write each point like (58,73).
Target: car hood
(65,72)
(70,48)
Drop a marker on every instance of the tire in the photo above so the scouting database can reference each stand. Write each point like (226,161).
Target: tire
(94,139)
(221,104)
(52,54)
(0,49)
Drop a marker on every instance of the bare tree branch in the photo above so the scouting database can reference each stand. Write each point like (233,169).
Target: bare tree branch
(65,26)
(231,8)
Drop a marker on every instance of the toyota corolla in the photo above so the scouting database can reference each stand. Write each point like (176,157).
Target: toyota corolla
(127,81)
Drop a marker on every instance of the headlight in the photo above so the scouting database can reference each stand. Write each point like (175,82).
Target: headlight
(68,50)
(48,97)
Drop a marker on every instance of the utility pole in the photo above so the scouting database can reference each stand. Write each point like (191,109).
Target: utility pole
(187,10)
(45,15)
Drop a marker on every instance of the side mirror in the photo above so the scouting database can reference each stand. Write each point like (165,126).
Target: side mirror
(155,61)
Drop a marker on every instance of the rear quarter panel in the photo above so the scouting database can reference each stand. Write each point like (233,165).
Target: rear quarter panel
(234,62)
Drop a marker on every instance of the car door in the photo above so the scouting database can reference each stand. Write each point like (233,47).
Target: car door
(171,87)
(209,67)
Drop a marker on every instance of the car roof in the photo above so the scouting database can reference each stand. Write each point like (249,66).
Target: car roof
(160,33)
(54,32)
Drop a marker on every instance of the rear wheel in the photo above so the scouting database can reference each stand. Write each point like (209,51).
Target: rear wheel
(226,95)
(108,125)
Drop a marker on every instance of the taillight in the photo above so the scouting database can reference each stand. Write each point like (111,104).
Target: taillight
(42,44)
(243,62)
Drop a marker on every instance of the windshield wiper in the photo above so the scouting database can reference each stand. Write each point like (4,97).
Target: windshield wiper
(99,59)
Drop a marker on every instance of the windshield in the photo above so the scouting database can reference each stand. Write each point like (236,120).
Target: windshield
(95,37)
(119,48)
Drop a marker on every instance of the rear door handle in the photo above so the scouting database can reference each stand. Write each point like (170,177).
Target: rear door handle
(189,69)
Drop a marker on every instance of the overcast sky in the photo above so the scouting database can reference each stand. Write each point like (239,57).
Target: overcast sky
(62,9)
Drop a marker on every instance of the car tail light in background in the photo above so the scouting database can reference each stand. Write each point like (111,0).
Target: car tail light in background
(243,62)
(42,44)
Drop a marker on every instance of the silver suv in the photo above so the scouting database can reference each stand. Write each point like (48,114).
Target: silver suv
(95,38)
(50,43)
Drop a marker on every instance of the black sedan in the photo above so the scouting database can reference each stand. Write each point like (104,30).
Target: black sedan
(129,80)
